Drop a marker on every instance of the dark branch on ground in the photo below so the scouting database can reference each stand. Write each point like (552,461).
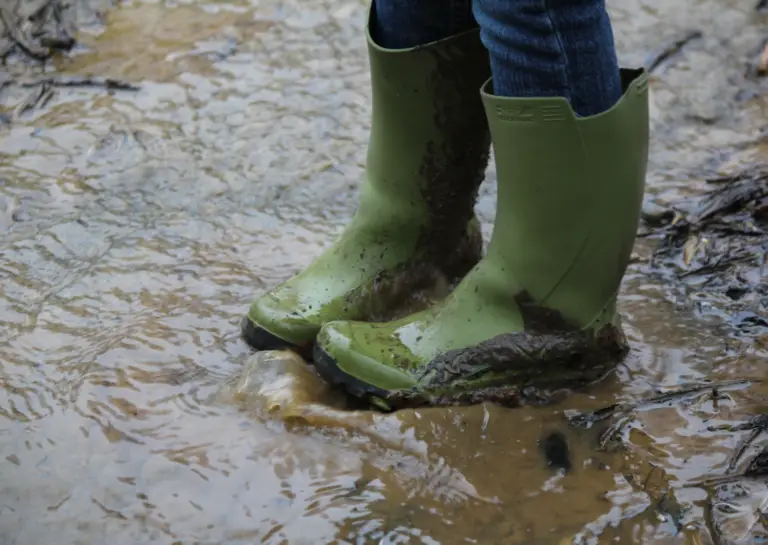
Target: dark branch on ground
(82,81)
(671,49)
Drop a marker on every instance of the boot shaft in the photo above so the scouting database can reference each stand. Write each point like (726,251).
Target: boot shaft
(569,198)
(429,141)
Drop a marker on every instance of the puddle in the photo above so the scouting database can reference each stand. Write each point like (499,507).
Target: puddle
(136,227)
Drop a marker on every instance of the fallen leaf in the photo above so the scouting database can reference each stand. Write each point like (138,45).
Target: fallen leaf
(762,64)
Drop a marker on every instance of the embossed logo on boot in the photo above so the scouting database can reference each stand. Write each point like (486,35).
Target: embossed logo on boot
(531,114)
(518,114)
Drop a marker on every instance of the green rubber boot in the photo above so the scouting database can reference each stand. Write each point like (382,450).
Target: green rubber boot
(415,225)
(540,308)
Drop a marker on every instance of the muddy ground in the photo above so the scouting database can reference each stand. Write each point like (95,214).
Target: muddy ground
(138,221)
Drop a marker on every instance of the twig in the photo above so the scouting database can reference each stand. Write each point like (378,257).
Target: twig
(692,390)
(653,62)
(587,419)
(83,81)
(742,448)
(720,265)
(755,425)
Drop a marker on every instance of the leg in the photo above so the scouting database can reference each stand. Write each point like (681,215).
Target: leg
(545,48)
(399,24)
(414,229)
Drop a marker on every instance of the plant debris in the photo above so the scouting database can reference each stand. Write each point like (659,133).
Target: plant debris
(36,28)
(612,425)
(737,510)
(82,81)
(692,391)
(756,426)
(717,246)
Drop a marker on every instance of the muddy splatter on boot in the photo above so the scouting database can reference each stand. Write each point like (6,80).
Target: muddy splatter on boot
(415,224)
(540,308)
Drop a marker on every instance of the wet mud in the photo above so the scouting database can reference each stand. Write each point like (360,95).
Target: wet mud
(137,224)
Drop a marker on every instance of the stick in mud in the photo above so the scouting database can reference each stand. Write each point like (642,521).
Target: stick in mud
(588,419)
(110,84)
(756,426)
(43,89)
(672,49)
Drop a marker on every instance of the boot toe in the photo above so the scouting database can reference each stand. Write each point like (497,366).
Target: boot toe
(345,355)
(271,325)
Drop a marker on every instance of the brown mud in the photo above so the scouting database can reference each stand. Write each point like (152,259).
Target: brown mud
(137,224)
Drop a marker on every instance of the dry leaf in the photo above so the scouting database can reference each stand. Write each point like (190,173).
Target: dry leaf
(762,64)
(690,249)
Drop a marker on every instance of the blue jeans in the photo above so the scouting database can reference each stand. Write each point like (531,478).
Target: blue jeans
(538,48)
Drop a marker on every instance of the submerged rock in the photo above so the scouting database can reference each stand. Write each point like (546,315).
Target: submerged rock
(279,382)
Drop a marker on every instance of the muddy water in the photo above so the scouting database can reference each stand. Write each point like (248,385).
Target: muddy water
(137,227)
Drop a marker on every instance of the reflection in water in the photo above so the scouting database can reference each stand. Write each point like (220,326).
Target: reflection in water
(135,227)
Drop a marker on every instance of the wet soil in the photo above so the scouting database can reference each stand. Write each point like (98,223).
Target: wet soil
(137,225)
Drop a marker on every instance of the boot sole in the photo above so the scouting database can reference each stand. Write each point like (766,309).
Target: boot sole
(259,338)
(330,372)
